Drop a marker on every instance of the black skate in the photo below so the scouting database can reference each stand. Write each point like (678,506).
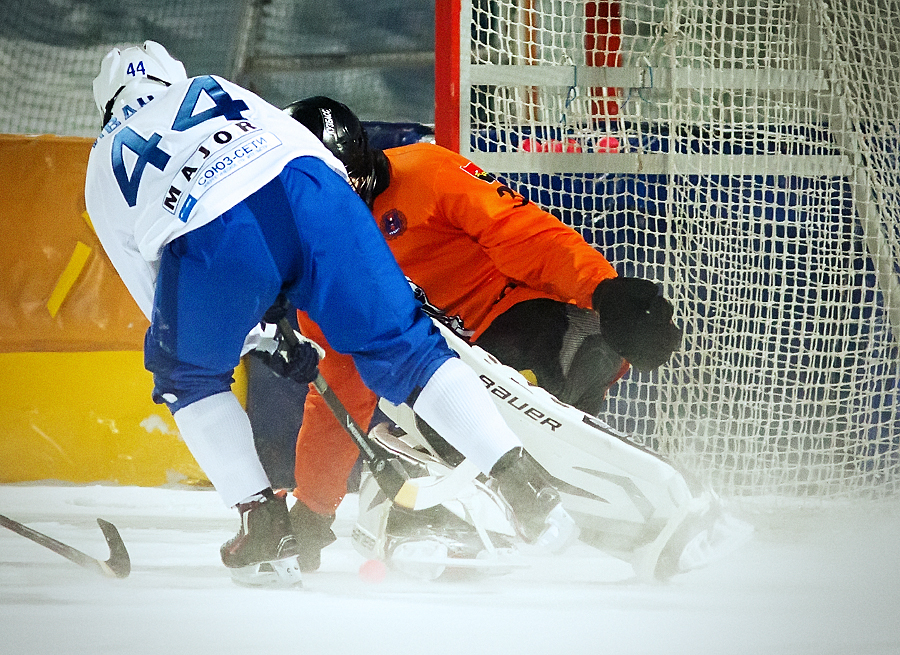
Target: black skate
(264,551)
(313,532)
(538,515)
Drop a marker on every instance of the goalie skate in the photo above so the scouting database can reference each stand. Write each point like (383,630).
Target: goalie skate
(470,533)
(626,500)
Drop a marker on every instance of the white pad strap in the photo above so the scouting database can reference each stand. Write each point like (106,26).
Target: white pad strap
(217,431)
(456,404)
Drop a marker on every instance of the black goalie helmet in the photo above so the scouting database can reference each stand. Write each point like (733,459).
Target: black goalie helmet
(340,130)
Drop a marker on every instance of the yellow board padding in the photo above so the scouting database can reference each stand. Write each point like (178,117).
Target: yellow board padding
(42,217)
(69,275)
(88,417)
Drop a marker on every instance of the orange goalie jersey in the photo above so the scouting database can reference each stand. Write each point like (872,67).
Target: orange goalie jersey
(473,248)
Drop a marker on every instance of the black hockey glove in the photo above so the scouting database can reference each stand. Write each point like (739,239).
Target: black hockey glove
(277,311)
(636,321)
(298,361)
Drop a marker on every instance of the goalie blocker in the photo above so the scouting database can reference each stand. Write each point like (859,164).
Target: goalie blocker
(626,500)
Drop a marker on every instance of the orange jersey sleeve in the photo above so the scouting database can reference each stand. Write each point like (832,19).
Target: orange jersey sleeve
(474,245)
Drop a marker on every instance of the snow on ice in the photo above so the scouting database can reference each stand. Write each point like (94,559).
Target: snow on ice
(816,580)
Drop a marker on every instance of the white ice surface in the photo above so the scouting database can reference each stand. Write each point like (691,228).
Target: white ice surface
(811,581)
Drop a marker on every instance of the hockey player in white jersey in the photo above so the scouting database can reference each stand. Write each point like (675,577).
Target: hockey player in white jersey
(211,203)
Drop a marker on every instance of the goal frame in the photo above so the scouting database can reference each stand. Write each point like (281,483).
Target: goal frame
(845,160)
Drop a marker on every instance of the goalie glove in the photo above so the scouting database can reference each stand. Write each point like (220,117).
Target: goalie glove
(636,321)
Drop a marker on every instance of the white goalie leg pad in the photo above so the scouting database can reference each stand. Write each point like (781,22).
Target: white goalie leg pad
(622,496)
(473,502)
(425,548)
(419,558)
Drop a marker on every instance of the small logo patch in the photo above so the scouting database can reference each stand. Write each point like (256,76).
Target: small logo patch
(474,171)
(393,223)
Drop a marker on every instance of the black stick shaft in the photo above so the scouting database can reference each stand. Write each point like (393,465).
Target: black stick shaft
(387,469)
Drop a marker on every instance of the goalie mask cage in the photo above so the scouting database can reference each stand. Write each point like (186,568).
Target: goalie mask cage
(744,154)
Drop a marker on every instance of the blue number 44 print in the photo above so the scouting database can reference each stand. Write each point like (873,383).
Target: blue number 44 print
(148,150)
(224,105)
(134,70)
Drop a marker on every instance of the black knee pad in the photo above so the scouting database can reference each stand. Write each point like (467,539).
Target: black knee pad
(529,336)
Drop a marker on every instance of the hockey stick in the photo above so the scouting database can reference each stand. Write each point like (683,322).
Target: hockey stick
(117,566)
(386,467)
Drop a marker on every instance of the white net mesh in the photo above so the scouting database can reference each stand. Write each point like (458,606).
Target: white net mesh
(743,153)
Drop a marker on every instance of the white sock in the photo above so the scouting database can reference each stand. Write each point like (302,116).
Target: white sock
(456,404)
(217,431)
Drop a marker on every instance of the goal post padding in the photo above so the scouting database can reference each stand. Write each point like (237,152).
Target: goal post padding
(744,154)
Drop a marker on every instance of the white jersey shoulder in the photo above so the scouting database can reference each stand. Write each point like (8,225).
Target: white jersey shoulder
(169,163)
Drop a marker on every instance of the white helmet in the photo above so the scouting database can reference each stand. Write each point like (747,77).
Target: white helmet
(127,74)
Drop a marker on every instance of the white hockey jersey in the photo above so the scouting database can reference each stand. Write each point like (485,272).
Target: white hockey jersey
(170,163)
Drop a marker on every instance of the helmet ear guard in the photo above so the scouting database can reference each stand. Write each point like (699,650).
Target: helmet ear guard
(133,66)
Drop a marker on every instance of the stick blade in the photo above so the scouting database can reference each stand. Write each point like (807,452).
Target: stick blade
(119,563)
(117,566)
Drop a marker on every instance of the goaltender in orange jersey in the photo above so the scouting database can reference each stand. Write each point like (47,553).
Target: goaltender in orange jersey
(498,269)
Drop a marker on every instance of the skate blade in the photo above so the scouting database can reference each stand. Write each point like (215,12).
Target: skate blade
(560,533)
(277,573)
(420,559)
(428,560)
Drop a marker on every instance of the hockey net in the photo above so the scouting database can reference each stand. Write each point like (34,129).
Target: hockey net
(744,154)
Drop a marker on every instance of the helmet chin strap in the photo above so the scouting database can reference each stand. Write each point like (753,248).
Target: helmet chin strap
(107,113)
(364,187)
